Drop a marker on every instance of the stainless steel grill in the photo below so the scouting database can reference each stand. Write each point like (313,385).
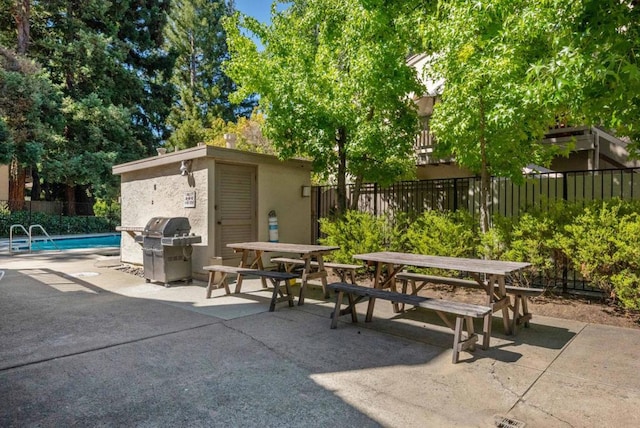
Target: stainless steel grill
(166,247)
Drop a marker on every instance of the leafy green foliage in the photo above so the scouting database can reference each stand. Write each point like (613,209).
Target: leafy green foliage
(443,234)
(533,237)
(603,244)
(28,110)
(600,240)
(196,38)
(592,66)
(354,233)
(108,209)
(55,223)
(109,94)
(333,84)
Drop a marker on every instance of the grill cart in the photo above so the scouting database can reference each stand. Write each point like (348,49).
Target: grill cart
(167,248)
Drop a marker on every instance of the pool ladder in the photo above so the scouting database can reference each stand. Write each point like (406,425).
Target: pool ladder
(29,233)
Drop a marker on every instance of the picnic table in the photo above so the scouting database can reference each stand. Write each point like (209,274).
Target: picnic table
(489,274)
(252,258)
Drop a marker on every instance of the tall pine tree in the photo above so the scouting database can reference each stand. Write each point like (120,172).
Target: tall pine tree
(197,39)
(108,59)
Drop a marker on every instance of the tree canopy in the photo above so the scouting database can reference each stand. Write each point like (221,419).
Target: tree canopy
(106,60)
(513,67)
(333,85)
(196,38)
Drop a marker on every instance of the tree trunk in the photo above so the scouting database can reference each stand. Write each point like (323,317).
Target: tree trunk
(23,8)
(341,139)
(17,174)
(192,60)
(485,184)
(70,192)
(36,189)
(17,181)
(355,196)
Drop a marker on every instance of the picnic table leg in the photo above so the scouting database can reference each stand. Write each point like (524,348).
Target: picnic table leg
(210,283)
(223,281)
(323,277)
(277,292)
(258,261)
(457,333)
(303,280)
(391,280)
(516,314)
(243,263)
(486,331)
(376,284)
(505,309)
(336,311)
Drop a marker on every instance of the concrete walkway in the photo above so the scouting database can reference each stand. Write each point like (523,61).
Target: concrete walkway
(86,345)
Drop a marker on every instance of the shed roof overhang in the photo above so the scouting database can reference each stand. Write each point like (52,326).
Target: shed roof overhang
(217,153)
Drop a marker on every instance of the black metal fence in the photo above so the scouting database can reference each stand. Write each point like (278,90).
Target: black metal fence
(508,198)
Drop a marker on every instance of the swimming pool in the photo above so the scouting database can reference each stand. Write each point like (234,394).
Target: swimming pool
(40,243)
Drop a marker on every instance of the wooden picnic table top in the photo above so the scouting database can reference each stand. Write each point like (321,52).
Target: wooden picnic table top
(490,267)
(282,247)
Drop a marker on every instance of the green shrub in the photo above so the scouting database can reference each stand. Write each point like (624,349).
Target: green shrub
(443,234)
(600,241)
(55,224)
(603,244)
(535,238)
(354,233)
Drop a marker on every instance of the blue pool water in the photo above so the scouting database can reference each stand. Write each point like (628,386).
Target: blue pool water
(76,242)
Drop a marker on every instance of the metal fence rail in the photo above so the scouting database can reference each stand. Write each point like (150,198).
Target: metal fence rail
(509,199)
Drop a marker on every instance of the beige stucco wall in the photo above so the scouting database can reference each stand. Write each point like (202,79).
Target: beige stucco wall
(280,189)
(153,187)
(4,182)
(159,192)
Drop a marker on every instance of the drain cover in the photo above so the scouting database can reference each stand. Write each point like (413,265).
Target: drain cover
(505,422)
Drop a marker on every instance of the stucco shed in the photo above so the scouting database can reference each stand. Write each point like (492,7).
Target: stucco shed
(227,195)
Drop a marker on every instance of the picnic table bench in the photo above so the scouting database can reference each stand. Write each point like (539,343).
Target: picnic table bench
(275,277)
(341,269)
(464,313)
(489,274)
(520,307)
(252,256)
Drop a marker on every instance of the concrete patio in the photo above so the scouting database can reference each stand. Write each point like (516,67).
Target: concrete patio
(84,344)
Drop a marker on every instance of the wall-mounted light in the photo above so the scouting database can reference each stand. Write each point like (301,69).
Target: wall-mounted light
(185,168)
(306,191)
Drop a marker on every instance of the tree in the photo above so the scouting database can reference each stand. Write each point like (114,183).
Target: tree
(594,65)
(196,38)
(29,118)
(490,117)
(333,85)
(247,133)
(511,68)
(107,57)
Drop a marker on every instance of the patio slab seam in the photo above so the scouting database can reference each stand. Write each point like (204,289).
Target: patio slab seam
(101,348)
(543,372)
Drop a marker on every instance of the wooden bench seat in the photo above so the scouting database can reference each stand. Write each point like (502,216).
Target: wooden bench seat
(341,269)
(464,313)
(275,277)
(520,308)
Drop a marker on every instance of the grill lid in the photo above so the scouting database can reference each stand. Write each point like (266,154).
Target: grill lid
(159,227)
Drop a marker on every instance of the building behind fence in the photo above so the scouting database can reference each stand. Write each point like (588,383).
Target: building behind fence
(508,198)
